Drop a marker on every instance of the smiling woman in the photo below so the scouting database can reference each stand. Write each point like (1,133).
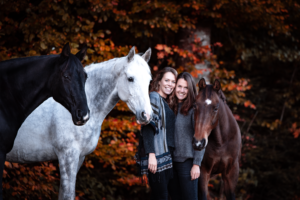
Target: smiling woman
(185,93)
(187,161)
(181,89)
(157,138)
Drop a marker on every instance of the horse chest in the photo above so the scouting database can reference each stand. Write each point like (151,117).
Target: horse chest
(8,132)
(216,161)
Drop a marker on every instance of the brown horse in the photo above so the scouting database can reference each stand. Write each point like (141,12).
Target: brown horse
(214,122)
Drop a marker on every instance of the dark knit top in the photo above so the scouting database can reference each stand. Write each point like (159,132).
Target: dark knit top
(148,131)
(184,132)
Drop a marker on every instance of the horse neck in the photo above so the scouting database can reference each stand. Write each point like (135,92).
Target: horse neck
(221,134)
(102,94)
(27,85)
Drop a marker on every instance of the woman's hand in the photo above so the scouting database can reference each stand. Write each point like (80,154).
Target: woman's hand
(195,172)
(152,163)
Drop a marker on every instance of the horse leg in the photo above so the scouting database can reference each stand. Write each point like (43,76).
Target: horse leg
(203,184)
(230,180)
(68,164)
(2,161)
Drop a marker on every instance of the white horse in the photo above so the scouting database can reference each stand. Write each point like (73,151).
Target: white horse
(49,134)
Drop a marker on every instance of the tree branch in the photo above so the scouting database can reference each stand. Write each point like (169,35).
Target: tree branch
(283,109)
(251,122)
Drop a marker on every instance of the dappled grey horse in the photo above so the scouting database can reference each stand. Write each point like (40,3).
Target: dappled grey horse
(49,134)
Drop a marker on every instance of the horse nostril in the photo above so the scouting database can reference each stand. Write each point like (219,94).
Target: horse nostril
(143,116)
(198,145)
(203,142)
(78,114)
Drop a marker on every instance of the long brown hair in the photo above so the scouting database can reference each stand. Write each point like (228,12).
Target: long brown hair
(191,95)
(154,86)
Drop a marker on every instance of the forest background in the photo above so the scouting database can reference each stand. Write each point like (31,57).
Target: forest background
(253,50)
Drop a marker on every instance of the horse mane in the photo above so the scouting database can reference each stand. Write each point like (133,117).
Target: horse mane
(112,63)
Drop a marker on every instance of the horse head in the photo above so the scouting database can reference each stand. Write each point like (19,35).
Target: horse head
(133,85)
(68,84)
(206,112)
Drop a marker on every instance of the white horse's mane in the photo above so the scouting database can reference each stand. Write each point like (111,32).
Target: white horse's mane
(113,63)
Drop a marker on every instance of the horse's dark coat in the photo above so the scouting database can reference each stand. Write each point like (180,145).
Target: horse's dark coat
(214,121)
(26,82)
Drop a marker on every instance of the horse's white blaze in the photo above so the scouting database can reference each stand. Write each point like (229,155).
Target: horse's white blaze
(198,143)
(208,101)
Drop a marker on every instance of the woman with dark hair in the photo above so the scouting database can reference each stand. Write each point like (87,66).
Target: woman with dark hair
(186,160)
(157,138)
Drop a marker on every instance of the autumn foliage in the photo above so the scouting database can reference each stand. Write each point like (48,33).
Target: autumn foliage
(254,51)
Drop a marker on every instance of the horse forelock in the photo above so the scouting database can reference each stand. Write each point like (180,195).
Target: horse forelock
(140,64)
(207,93)
(73,60)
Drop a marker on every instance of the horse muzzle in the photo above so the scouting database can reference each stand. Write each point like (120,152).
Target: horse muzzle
(198,145)
(80,118)
(143,118)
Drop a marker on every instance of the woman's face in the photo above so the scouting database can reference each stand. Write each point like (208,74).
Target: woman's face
(166,84)
(181,90)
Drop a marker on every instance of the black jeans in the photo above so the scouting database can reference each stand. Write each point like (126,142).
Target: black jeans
(159,184)
(181,186)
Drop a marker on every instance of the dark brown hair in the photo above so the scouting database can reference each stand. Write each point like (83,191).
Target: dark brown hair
(154,86)
(188,102)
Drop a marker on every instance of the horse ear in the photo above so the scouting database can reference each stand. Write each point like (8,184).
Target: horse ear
(217,85)
(201,84)
(81,54)
(66,50)
(131,54)
(147,55)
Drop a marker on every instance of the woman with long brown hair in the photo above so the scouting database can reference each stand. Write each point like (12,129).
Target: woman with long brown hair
(186,161)
(157,138)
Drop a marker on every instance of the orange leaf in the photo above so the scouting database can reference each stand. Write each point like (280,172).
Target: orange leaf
(159,47)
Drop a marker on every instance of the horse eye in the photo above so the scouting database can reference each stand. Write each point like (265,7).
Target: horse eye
(66,76)
(130,79)
(216,109)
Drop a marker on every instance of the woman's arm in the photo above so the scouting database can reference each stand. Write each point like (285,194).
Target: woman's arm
(148,132)
(195,172)
(148,138)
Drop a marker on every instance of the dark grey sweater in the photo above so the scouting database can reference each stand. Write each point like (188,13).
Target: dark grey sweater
(184,132)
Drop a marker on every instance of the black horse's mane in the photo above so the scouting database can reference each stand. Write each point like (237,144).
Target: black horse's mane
(31,58)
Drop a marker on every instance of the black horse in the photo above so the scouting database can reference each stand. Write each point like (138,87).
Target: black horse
(26,82)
